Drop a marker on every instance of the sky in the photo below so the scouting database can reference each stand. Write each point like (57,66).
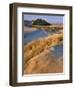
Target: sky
(49,18)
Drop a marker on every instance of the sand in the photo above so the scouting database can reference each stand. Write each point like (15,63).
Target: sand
(45,62)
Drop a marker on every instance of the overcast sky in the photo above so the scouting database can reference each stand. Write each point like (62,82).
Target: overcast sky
(49,18)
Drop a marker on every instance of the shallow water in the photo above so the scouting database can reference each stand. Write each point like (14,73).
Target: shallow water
(57,51)
(28,37)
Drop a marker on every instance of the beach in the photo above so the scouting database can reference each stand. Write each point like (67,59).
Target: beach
(40,52)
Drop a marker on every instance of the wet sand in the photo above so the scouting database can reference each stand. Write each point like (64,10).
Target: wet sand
(45,62)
